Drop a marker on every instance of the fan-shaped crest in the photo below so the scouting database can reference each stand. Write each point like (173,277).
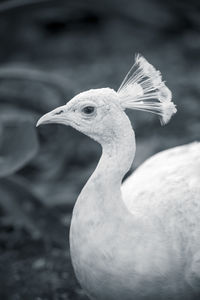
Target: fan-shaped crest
(143,89)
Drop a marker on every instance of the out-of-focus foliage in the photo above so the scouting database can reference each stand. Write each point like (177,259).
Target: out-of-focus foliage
(51,50)
(18,145)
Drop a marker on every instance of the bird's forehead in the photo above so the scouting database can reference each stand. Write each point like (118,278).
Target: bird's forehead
(98,96)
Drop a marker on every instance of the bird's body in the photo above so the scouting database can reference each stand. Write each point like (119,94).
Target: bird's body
(171,179)
(139,240)
(139,244)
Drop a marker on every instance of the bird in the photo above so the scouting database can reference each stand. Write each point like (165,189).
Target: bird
(138,239)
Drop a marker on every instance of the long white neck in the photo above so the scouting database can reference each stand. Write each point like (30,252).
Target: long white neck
(103,189)
(117,155)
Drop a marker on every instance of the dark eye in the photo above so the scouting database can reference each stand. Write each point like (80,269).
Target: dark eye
(88,110)
(59,112)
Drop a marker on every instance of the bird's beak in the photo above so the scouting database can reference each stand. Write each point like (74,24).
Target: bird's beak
(57,115)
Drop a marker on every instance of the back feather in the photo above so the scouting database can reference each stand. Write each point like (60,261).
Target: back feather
(143,89)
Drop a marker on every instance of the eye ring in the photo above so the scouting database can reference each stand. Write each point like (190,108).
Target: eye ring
(88,110)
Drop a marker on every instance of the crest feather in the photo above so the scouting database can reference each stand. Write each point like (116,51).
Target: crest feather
(143,89)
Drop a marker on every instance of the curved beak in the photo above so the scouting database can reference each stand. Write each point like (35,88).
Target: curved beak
(54,116)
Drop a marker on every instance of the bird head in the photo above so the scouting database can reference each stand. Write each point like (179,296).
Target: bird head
(96,113)
(99,113)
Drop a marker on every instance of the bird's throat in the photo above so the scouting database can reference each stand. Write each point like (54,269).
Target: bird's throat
(102,192)
(117,156)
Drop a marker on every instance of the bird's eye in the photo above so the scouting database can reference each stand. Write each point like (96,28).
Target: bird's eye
(88,110)
(59,112)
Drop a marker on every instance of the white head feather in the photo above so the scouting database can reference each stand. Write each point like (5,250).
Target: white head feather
(143,89)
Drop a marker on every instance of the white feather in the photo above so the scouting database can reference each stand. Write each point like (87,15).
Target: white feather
(143,89)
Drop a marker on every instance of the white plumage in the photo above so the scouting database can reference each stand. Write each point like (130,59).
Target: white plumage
(139,240)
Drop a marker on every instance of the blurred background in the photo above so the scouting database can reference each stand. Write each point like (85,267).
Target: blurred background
(51,50)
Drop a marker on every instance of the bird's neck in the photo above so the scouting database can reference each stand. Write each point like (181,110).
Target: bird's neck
(99,210)
(103,189)
(117,156)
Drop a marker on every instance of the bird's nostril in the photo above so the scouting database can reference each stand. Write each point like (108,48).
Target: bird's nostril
(59,112)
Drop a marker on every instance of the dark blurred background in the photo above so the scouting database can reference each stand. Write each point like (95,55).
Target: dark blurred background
(49,51)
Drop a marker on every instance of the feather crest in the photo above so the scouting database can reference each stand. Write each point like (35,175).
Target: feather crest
(143,89)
